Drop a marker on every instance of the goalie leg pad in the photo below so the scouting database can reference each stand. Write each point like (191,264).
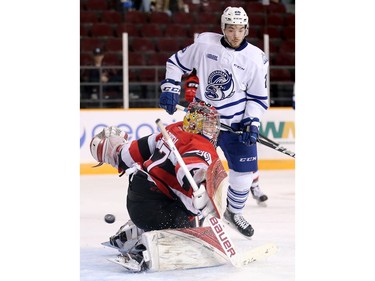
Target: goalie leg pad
(187,248)
(215,185)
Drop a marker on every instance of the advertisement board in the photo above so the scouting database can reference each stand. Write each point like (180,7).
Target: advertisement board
(277,124)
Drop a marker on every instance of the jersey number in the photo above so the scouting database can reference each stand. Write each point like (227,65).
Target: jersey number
(164,153)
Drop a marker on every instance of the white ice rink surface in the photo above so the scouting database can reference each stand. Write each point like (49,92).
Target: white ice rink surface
(103,194)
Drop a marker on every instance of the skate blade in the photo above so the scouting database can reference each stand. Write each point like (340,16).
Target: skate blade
(262,204)
(129,266)
(109,245)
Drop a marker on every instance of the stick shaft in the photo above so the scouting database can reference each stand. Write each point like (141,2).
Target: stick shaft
(177,154)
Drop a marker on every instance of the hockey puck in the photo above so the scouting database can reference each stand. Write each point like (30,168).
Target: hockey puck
(109,218)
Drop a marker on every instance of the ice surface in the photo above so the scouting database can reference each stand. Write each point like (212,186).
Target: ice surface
(103,194)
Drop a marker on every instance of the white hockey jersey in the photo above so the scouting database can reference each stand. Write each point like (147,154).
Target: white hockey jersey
(234,81)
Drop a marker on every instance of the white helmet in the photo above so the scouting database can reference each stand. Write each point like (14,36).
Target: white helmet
(105,143)
(234,15)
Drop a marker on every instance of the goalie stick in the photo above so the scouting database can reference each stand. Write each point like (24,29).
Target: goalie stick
(262,139)
(186,248)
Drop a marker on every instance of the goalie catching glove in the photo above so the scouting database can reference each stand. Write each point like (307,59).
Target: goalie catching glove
(106,145)
(202,202)
(191,85)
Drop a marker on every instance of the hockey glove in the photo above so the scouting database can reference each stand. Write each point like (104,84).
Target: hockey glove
(191,85)
(250,131)
(170,95)
(202,202)
(106,145)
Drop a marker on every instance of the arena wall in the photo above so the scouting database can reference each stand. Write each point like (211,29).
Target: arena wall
(277,124)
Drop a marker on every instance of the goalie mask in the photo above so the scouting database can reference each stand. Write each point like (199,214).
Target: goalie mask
(202,118)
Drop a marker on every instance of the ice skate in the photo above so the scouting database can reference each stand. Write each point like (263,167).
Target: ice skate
(126,239)
(258,195)
(133,262)
(238,222)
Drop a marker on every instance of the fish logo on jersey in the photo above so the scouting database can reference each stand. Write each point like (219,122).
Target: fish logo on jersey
(220,85)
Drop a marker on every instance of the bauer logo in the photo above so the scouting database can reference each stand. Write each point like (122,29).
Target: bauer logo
(222,237)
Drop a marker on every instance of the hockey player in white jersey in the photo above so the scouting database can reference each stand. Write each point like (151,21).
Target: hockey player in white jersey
(233,78)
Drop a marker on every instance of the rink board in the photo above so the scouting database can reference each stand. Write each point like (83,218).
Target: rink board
(277,124)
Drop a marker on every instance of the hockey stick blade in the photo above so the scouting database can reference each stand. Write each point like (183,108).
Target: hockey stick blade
(259,253)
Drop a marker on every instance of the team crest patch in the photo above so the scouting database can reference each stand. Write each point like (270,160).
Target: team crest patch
(220,85)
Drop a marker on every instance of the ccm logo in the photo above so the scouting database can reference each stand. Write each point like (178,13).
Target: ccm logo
(171,89)
(221,235)
(249,159)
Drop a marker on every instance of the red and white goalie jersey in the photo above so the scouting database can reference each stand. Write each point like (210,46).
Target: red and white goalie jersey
(155,157)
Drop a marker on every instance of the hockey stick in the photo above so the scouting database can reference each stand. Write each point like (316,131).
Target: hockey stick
(265,141)
(215,223)
(262,139)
